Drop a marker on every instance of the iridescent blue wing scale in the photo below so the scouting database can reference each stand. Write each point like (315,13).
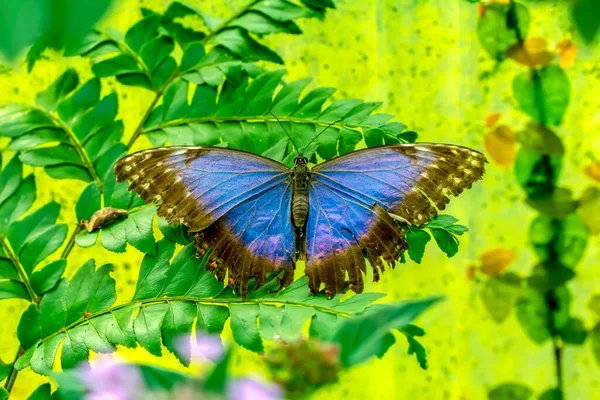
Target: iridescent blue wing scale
(239,202)
(350,199)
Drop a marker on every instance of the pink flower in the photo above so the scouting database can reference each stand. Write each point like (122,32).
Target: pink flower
(204,347)
(253,389)
(110,379)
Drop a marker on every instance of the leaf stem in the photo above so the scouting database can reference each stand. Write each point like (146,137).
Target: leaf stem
(12,375)
(177,122)
(124,47)
(89,165)
(20,270)
(140,128)
(206,301)
(8,251)
(224,25)
(71,242)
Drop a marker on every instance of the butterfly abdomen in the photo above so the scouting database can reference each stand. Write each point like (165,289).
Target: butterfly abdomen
(300,181)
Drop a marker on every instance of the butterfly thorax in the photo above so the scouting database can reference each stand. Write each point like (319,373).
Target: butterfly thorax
(300,181)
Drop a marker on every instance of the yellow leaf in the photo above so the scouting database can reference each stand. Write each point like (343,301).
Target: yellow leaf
(470,272)
(593,171)
(500,145)
(568,53)
(531,52)
(495,261)
(491,119)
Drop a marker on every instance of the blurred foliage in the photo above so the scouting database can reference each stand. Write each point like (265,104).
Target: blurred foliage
(40,24)
(558,235)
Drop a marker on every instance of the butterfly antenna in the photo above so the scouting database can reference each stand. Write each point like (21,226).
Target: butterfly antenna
(320,133)
(286,132)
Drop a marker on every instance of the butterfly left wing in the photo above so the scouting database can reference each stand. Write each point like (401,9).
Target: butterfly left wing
(350,199)
(240,204)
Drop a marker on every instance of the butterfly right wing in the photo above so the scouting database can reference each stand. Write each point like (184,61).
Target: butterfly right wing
(239,202)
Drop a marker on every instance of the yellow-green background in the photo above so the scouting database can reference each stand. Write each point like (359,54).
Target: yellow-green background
(423,59)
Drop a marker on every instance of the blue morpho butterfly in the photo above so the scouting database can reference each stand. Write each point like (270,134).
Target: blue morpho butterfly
(260,216)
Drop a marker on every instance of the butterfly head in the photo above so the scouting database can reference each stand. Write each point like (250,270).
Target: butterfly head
(300,160)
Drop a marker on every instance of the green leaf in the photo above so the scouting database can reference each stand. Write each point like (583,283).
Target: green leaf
(89,202)
(27,229)
(29,330)
(43,357)
(136,230)
(58,90)
(499,295)
(18,119)
(551,394)
(510,391)
(533,315)
(147,327)
(573,332)
(362,337)
(177,328)
(417,240)
(414,347)
(41,393)
(497,28)
(244,326)
(46,279)
(216,381)
(42,246)
(152,274)
(294,318)
(240,43)
(83,99)
(559,240)
(13,290)
(541,139)
(61,154)
(595,342)
(212,318)
(585,14)
(559,205)
(10,178)
(192,56)
(543,94)
(17,204)
(446,241)
(537,173)
(4,370)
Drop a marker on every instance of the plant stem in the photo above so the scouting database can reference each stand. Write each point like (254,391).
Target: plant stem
(224,25)
(177,122)
(552,302)
(87,162)
(71,242)
(207,301)
(124,47)
(12,375)
(20,270)
(8,251)
(558,351)
(138,131)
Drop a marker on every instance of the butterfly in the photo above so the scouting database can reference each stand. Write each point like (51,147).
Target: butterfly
(259,216)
